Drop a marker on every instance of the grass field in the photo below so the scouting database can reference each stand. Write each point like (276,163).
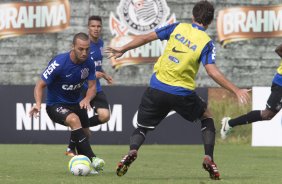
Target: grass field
(166,164)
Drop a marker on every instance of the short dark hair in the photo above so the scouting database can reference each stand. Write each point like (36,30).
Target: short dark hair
(82,36)
(203,12)
(94,17)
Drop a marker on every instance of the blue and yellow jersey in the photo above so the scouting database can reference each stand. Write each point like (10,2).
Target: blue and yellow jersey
(188,45)
(278,77)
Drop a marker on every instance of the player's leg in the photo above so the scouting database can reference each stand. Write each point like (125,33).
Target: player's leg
(194,109)
(66,115)
(208,135)
(152,110)
(273,106)
(78,133)
(58,114)
(85,125)
(97,163)
(101,108)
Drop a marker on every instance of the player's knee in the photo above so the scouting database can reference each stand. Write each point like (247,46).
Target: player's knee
(104,118)
(73,121)
(207,114)
(267,114)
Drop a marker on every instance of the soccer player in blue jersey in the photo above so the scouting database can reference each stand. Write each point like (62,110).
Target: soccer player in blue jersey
(64,77)
(273,105)
(172,85)
(100,102)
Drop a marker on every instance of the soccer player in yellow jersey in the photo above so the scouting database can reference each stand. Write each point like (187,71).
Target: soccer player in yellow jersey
(273,105)
(172,85)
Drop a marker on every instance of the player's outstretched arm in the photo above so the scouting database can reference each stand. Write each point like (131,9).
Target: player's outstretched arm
(105,76)
(38,94)
(242,94)
(278,50)
(137,41)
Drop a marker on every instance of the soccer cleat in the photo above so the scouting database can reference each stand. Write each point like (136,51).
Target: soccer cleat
(124,164)
(93,171)
(98,164)
(70,152)
(225,129)
(211,167)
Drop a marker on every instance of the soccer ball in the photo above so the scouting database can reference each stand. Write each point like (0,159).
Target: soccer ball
(80,165)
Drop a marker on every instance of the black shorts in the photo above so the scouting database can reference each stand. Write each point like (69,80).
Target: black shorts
(100,101)
(156,104)
(274,102)
(59,112)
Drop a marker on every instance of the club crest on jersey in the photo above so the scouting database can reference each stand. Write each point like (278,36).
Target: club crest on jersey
(84,73)
(62,110)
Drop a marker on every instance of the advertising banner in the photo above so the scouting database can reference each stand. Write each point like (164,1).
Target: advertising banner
(137,17)
(242,23)
(33,17)
(18,127)
(265,133)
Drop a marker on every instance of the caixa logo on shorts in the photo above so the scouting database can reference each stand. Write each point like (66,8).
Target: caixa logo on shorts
(143,15)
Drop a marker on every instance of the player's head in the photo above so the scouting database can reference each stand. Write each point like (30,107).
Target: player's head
(203,13)
(94,27)
(81,46)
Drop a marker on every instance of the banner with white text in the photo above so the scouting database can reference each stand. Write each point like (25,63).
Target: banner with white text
(33,17)
(18,127)
(249,22)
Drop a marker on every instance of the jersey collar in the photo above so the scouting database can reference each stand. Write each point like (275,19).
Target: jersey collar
(198,27)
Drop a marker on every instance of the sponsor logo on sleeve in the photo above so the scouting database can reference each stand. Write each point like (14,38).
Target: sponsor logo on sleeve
(50,69)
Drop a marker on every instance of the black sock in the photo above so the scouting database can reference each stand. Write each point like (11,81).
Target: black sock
(137,138)
(208,135)
(82,144)
(251,117)
(94,121)
(71,144)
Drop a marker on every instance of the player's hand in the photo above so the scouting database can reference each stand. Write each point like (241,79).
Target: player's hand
(85,104)
(243,95)
(109,79)
(34,112)
(114,52)
(99,75)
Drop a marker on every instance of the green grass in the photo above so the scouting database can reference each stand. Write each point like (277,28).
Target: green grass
(166,164)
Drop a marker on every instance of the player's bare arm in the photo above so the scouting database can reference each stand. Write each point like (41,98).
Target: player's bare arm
(90,94)
(242,94)
(105,76)
(278,50)
(38,94)
(137,41)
